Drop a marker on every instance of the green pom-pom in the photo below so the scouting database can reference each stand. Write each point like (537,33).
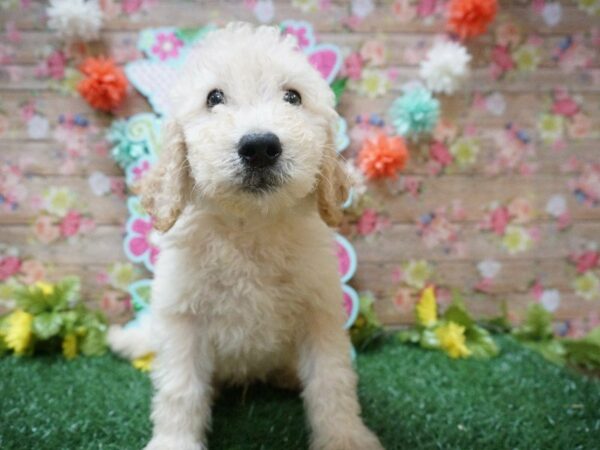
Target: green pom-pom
(415,112)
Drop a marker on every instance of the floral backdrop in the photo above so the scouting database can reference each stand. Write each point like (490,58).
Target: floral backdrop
(502,202)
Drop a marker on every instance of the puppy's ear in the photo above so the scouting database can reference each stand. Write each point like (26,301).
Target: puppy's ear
(167,187)
(332,184)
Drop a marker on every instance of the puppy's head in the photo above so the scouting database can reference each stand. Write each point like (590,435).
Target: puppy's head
(252,131)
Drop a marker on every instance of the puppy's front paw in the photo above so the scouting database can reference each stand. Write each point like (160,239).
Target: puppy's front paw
(164,442)
(349,437)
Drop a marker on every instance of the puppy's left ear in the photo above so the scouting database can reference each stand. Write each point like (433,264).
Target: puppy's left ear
(167,187)
(333,183)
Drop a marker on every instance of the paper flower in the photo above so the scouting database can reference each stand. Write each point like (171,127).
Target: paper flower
(415,112)
(58,200)
(124,151)
(452,340)
(465,151)
(587,286)
(69,346)
(75,19)
(416,273)
(18,331)
(104,86)
(383,156)
(445,66)
(427,308)
(469,18)
(516,239)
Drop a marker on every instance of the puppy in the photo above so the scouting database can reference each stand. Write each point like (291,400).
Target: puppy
(246,285)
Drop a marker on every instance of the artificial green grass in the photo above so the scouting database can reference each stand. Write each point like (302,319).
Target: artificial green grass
(412,398)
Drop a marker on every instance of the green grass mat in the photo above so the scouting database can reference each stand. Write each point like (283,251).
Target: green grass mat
(413,399)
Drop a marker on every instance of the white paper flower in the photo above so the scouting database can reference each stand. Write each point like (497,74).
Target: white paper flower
(550,299)
(489,268)
(552,13)
(99,183)
(556,206)
(445,66)
(38,127)
(75,19)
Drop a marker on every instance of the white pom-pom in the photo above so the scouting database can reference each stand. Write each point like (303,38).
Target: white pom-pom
(445,67)
(75,19)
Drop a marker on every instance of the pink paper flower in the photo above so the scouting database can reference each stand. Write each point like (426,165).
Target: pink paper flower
(70,224)
(587,260)
(9,266)
(439,152)
(45,230)
(353,65)
(565,107)
(300,34)
(167,46)
(499,219)
(502,60)
(32,271)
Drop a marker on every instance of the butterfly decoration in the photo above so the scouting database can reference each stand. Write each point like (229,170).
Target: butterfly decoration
(165,50)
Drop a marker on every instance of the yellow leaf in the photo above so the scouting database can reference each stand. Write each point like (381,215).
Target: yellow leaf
(69,346)
(143,363)
(452,340)
(18,333)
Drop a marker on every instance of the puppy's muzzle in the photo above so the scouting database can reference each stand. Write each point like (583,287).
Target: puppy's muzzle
(259,151)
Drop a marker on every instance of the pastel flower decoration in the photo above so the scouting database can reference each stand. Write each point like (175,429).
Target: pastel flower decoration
(373,83)
(465,151)
(105,84)
(527,58)
(415,112)
(9,266)
(382,157)
(124,152)
(426,308)
(58,200)
(468,18)
(516,239)
(452,340)
(445,67)
(17,334)
(551,127)
(167,46)
(587,286)
(416,273)
(138,243)
(75,20)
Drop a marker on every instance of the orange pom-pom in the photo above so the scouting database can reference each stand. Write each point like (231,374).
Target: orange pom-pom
(104,86)
(382,156)
(470,17)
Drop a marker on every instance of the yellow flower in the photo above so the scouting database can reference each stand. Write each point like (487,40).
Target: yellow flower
(69,346)
(416,273)
(427,308)
(46,288)
(58,200)
(587,286)
(452,340)
(465,151)
(18,332)
(516,239)
(143,363)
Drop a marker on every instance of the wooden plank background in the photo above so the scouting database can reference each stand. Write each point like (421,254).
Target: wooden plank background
(382,254)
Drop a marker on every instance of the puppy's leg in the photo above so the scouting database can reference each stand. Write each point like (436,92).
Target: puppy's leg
(182,375)
(330,388)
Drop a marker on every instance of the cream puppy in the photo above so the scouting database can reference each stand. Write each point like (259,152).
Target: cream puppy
(246,285)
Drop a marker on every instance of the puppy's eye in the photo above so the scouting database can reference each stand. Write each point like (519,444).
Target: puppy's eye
(215,97)
(292,97)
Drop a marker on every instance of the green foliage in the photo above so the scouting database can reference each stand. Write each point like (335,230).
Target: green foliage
(366,331)
(536,332)
(45,314)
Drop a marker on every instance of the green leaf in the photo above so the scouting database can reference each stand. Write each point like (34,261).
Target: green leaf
(584,352)
(429,339)
(338,87)
(47,325)
(411,336)
(537,326)
(480,342)
(552,350)
(93,343)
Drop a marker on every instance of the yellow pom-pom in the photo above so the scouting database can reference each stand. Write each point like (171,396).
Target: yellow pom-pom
(143,363)
(46,288)
(427,308)
(18,332)
(69,346)
(452,340)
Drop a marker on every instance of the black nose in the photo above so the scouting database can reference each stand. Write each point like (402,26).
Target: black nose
(259,150)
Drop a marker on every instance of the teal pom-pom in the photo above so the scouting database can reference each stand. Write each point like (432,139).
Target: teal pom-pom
(415,112)
(124,151)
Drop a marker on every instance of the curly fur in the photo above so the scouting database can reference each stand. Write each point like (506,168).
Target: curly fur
(246,285)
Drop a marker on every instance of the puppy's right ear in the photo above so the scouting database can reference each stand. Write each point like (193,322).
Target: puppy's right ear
(167,187)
